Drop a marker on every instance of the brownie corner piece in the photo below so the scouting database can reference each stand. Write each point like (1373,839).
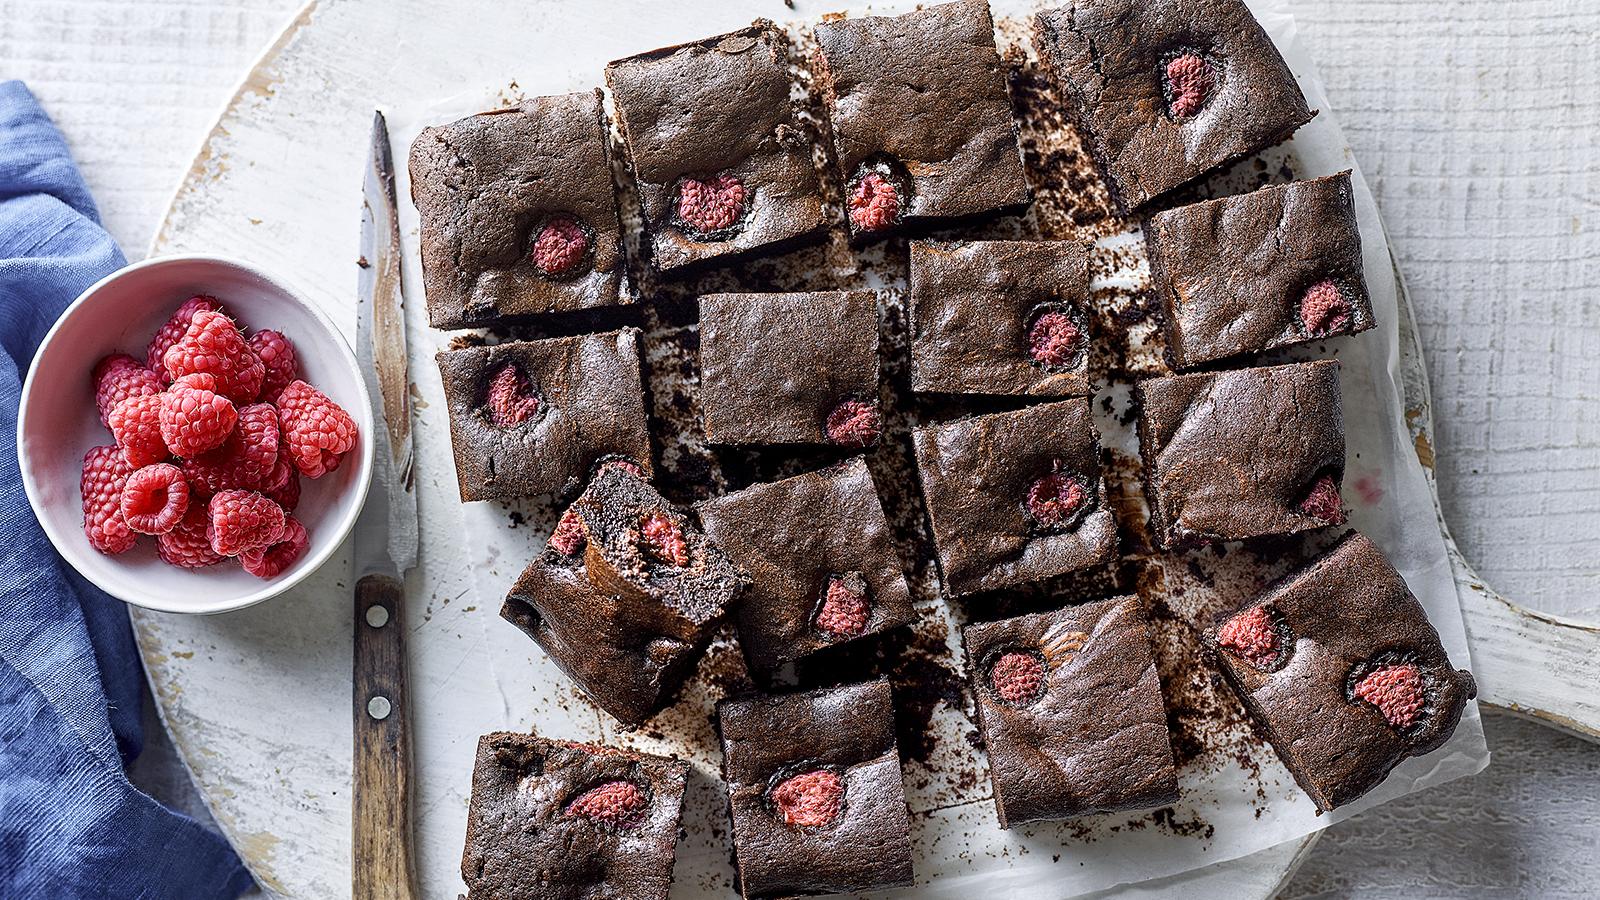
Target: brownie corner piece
(815,792)
(1272,442)
(999,317)
(921,121)
(565,819)
(1015,496)
(1071,711)
(723,163)
(537,417)
(1168,90)
(1257,271)
(790,368)
(1341,665)
(822,562)
(518,213)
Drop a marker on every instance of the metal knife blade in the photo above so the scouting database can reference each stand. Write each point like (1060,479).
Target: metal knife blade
(386,533)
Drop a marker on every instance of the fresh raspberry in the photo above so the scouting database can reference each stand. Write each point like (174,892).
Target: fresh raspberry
(663,539)
(272,560)
(214,345)
(810,799)
(187,545)
(246,459)
(1324,502)
(560,246)
(194,417)
(844,611)
(707,207)
(1253,635)
(244,520)
(1018,677)
(569,538)
(283,485)
(1054,499)
(854,423)
(1324,309)
(1396,690)
(874,203)
(613,804)
(1054,340)
(316,429)
(511,399)
(1189,82)
(173,330)
(105,472)
(118,377)
(155,498)
(136,424)
(279,363)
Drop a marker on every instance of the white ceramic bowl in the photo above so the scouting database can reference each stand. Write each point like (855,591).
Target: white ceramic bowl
(59,423)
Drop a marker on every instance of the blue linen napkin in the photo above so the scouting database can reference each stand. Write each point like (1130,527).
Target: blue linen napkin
(71,824)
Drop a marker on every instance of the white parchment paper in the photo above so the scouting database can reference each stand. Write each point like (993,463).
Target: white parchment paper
(1232,803)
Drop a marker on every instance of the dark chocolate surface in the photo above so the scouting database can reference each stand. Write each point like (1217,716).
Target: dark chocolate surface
(976,474)
(718,106)
(849,730)
(973,304)
(1346,610)
(1233,455)
(591,407)
(486,184)
(1110,58)
(524,843)
(1095,739)
(1232,272)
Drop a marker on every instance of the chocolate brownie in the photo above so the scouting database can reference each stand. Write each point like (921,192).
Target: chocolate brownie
(790,368)
(1070,709)
(560,820)
(1015,496)
(1278,266)
(921,123)
(1167,90)
(625,596)
(534,417)
(1341,666)
(815,792)
(821,559)
(723,165)
(1000,317)
(1242,454)
(519,215)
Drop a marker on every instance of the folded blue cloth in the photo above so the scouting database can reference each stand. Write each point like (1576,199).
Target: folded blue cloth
(71,825)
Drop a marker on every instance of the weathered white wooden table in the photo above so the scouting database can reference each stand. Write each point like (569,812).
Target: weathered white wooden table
(1472,123)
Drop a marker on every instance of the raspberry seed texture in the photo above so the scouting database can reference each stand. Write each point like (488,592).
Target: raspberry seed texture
(1189,84)
(1018,677)
(1397,691)
(707,207)
(810,799)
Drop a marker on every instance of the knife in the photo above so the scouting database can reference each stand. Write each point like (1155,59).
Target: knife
(384,549)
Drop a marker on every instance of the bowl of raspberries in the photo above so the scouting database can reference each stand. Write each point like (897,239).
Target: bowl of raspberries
(193,435)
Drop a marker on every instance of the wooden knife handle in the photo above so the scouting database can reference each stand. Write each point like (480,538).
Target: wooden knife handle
(381,867)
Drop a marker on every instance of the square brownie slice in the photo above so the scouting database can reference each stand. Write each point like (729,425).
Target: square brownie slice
(1242,454)
(535,417)
(722,162)
(921,121)
(1070,709)
(815,792)
(625,595)
(519,214)
(1167,90)
(561,819)
(821,559)
(790,368)
(1000,317)
(1342,667)
(1278,266)
(1015,496)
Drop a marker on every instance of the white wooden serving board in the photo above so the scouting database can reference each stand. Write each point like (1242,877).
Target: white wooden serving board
(258,702)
